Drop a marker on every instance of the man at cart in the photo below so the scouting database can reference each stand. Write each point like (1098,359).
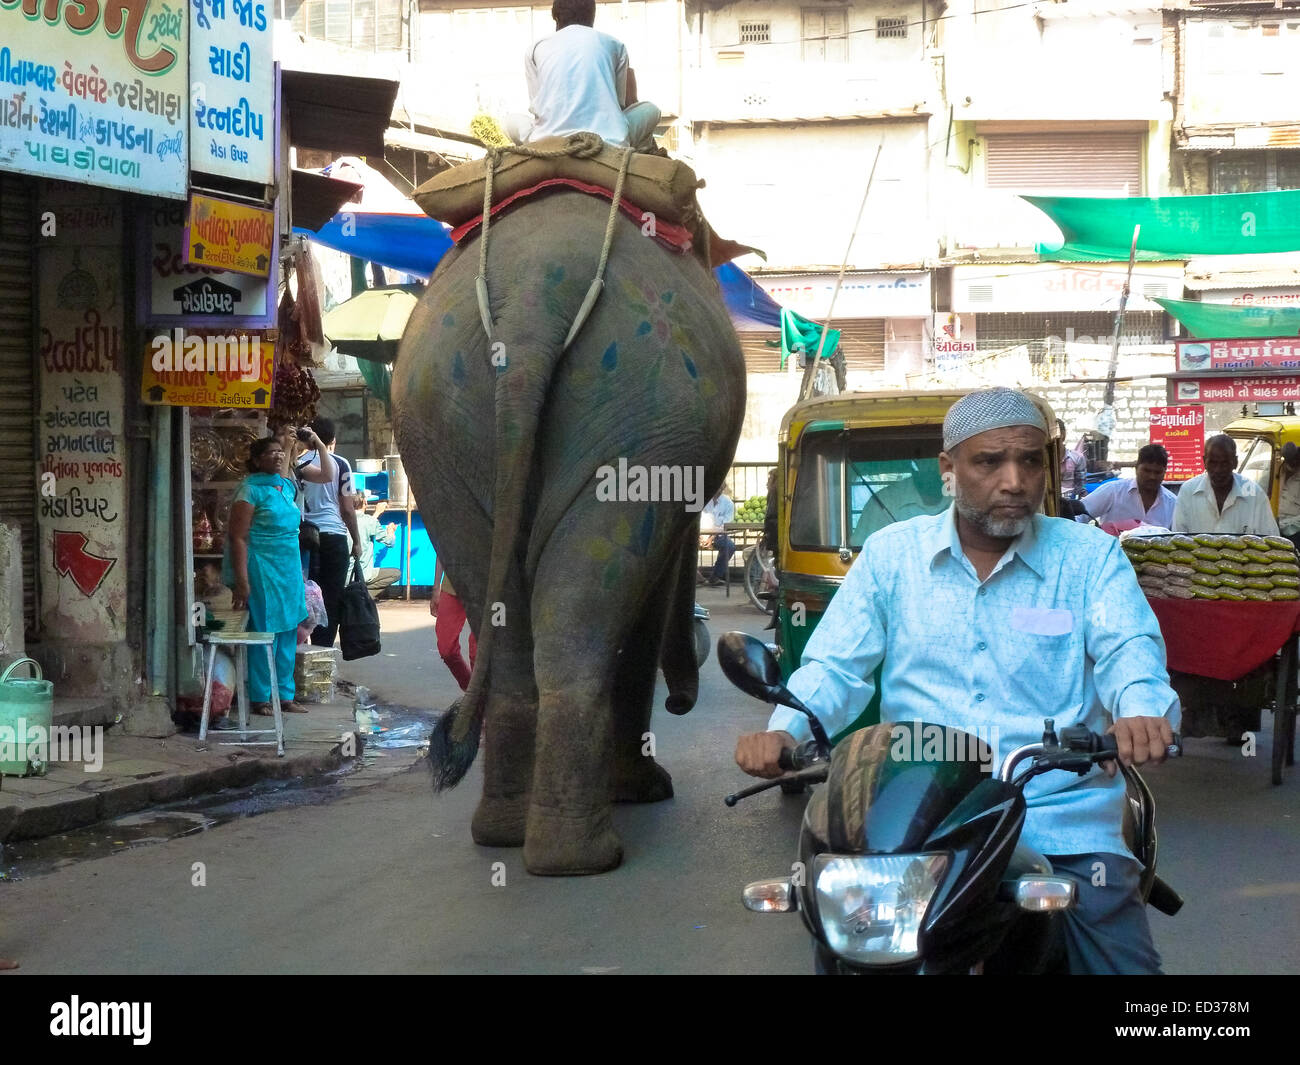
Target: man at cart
(1221,500)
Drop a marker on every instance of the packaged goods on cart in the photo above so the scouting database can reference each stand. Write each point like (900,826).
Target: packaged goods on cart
(1237,569)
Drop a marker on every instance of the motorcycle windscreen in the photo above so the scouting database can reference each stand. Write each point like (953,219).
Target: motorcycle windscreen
(890,785)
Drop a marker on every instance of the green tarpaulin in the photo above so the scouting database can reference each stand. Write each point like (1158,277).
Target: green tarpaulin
(1221,320)
(1173,227)
(800,334)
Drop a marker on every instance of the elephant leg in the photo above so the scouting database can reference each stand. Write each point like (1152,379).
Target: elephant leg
(509,728)
(637,777)
(577,627)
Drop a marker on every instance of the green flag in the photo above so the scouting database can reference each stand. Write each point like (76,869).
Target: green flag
(800,334)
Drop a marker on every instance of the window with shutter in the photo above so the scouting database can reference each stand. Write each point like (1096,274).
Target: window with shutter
(1110,162)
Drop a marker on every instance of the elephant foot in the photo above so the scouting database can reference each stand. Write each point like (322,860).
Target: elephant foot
(499,821)
(562,844)
(644,781)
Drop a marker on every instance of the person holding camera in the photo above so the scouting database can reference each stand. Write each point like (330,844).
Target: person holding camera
(329,507)
(261,564)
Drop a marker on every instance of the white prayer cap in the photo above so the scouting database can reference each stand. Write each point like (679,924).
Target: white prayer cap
(989,408)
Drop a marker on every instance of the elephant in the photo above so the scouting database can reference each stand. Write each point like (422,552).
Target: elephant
(562,489)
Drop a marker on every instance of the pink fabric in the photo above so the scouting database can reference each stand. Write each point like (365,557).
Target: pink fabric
(1223,640)
(1117,527)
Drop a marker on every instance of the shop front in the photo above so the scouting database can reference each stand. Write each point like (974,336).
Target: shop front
(1060,314)
(881,316)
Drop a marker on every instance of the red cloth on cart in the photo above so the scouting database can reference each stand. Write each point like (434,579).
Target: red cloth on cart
(1223,640)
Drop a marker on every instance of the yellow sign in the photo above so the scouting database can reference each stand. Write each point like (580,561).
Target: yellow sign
(229,236)
(185,369)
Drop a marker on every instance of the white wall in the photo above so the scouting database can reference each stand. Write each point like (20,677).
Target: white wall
(795,191)
(1235,74)
(1086,59)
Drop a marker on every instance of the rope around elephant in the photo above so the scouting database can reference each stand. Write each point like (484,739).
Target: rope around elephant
(578,145)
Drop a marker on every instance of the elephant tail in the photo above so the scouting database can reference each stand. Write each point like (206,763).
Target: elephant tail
(523,380)
(677,658)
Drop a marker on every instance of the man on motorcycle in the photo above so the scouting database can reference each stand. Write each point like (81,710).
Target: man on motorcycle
(993,615)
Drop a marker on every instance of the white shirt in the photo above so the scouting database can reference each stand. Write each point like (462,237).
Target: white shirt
(717,513)
(322,500)
(1120,500)
(576,78)
(1246,509)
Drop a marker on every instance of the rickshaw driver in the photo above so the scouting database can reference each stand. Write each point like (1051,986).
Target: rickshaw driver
(993,613)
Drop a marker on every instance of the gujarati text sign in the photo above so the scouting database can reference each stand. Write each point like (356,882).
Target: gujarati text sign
(230,236)
(1181,432)
(232,125)
(96,92)
(184,369)
(1281,353)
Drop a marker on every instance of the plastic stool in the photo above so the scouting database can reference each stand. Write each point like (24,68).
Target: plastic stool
(242,641)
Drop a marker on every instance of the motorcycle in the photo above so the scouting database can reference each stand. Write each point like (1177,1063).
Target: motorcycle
(912,866)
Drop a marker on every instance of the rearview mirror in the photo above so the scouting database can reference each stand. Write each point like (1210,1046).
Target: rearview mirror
(750,666)
(753,668)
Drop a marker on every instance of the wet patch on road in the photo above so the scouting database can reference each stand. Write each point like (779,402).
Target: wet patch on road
(393,728)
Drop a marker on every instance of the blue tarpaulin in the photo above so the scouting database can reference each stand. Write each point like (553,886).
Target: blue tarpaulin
(415,243)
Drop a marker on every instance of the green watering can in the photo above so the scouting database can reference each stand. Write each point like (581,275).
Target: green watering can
(26,717)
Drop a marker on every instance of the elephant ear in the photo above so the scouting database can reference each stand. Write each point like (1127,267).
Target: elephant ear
(450,757)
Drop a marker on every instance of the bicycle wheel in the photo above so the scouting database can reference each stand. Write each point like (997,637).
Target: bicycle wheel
(757,562)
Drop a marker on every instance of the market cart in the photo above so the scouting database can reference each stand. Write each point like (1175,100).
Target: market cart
(1234,657)
(1229,611)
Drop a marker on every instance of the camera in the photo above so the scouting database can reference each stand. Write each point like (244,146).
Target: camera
(303,434)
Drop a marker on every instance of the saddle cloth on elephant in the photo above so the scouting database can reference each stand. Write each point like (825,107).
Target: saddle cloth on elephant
(656,184)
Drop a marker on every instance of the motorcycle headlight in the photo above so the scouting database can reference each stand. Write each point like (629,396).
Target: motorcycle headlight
(872,906)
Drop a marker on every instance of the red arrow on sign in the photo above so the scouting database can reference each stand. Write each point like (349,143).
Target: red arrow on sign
(72,559)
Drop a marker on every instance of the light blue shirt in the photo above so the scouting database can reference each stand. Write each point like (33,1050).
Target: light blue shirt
(1059,629)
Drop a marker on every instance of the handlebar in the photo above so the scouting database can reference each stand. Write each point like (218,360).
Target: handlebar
(1077,751)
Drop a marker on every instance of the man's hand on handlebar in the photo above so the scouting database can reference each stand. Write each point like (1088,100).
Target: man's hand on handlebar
(757,753)
(1140,740)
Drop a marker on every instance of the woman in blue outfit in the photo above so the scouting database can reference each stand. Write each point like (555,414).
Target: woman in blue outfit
(262,563)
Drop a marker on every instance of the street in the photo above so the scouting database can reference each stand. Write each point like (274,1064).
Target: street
(385,879)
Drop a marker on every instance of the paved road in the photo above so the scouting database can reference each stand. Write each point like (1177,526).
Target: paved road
(385,879)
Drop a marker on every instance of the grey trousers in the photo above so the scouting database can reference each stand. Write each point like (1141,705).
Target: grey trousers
(1107,933)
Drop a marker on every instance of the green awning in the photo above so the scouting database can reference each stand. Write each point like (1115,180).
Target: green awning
(800,334)
(1221,320)
(1173,227)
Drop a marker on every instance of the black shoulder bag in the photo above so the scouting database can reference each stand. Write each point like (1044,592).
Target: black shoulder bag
(358,618)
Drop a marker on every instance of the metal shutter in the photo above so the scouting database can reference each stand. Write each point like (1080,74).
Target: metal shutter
(759,358)
(863,342)
(1110,162)
(17,379)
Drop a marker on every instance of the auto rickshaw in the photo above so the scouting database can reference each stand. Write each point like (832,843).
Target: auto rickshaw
(1259,449)
(849,465)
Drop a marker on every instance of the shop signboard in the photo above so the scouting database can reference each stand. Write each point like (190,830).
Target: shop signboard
(1181,432)
(176,292)
(874,295)
(230,235)
(232,126)
(204,368)
(1281,353)
(1243,297)
(96,94)
(954,341)
(1046,287)
(1277,388)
